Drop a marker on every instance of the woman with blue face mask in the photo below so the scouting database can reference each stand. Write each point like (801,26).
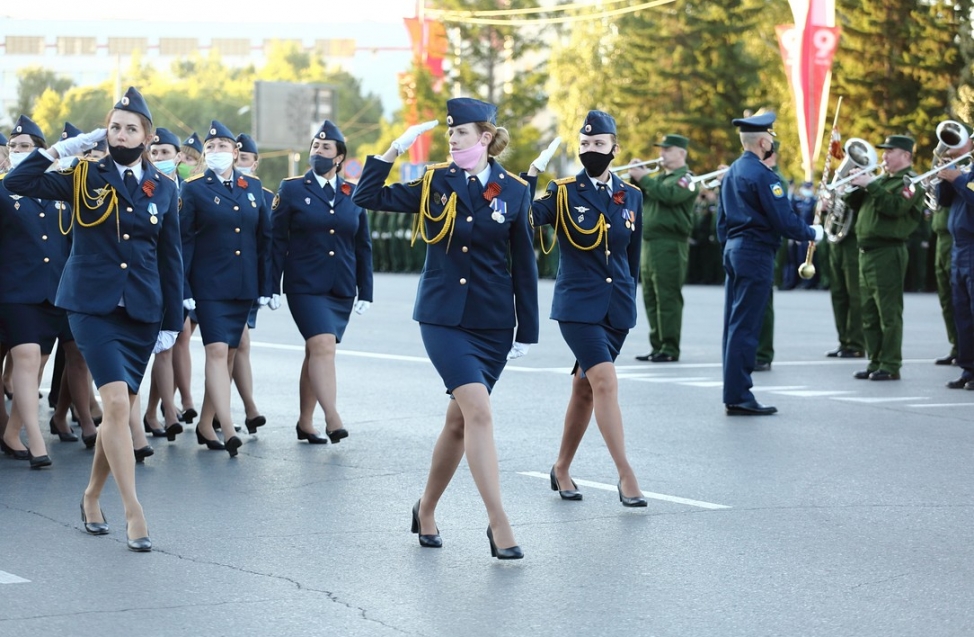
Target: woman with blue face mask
(226,233)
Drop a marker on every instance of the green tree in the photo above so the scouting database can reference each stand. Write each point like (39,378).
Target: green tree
(31,83)
(50,114)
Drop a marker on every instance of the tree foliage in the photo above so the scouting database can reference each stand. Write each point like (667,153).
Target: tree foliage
(32,81)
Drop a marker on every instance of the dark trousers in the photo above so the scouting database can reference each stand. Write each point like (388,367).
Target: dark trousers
(962,289)
(750,272)
(881,281)
(942,272)
(844,290)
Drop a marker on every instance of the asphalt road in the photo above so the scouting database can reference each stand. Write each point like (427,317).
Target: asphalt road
(847,513)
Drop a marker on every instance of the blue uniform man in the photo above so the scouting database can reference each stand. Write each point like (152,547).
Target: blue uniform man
(754,215)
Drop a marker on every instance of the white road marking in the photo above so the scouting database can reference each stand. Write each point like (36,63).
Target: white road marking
(889,399)
(705,383)
(943,405)
(647,494)
(780,387)
(811,393)
(670,379)
(10,578)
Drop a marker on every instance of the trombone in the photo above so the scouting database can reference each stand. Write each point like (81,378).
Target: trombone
(654,165)
(708,180)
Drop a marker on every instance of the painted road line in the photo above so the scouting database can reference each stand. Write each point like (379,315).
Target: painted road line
(890,399)
(704,383)
(810,393)
(670,379)
(10,578)
(943,405)
(647,494)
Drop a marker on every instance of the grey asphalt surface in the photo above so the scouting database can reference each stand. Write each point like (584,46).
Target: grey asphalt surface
(847,513)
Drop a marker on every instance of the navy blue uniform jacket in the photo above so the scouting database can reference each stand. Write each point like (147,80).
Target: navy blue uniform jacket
(127,256)
(320,249)
(486,276)
(226,238)
(592,287)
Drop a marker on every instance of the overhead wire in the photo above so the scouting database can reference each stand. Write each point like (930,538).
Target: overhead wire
(469,17)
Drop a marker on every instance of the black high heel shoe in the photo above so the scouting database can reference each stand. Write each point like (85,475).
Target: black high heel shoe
(313,439)
(68,437)
(89,440)
(38,462)
(232,445)
(188,415)
(139,544)
(16,454)
(513,553)
(426,541)
(337,436)
(254,423)
(143,453)
(156,433)
(566,494)
(638,501)
(213,445)
(172,431)
(95,528)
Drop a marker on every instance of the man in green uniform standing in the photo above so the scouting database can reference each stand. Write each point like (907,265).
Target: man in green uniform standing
(844,290)
(941,267)
(889,211)
(667,224)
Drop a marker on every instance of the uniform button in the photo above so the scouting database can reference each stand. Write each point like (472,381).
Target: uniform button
(608,225)
(237,252)
(124,266)
(608,279)
(42,215)
(332,231)
(128,210)
(607,253)
(331,212)
(125,236)
(236,207)
(469,218)
(46,260)
(44,237)
(331,253)
(463,281)
(237,230)
(464,248)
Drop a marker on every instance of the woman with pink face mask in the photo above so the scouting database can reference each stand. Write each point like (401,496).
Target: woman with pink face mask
(472,214)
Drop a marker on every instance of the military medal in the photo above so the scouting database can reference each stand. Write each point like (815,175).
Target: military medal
(153,211)
(250,196)
(16,199)
(581,213)
(16,205)
(307,200)
(499,208)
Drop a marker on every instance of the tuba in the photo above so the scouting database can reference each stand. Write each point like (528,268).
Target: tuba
(950,135)
(859,154)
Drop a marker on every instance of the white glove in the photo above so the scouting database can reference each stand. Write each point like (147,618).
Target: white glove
(164,341)
(189,304)
(819,232)
(518,350)
(263,300)
(412,134)
(361,307)
(274,302)
(79,144)
(542,161)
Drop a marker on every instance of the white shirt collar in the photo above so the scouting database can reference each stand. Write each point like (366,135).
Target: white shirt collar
(322,181)
(596,182)
(483,176)
(136,170)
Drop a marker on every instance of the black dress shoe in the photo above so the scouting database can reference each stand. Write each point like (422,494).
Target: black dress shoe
(426,541)
(139,544)
(172,431)
(851,353)
(95,528)
(156,433)
(750,408)
(188,416)
(337,435)
(863,374)
(946,360)
(254,423)
(834,353)
(512,553)
(664,358)
(213,445)
(143,453)
(573,494)
(960,383)
(39,462)
(313,439)
(89,440)
(638,501)
(232,445)
(762,367)
(882,374)
(648,356)
(16,454)
(68,437)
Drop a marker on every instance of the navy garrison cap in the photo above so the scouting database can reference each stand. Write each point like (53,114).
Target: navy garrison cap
(3,139)
(70,130)
(101,145)
(328,130)
(756,123)
(219,130)
(133,102)
(464,110)
(598,123)
(898,141)
(165,136)
(193,141)
(246,143)
(26,126)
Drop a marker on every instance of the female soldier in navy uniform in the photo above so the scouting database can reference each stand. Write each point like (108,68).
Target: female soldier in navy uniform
(323,246)
(598,219)
(473,214)
(121,284)
(226,246)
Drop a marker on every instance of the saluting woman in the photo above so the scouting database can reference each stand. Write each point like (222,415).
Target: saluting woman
(226,233)
(121,285)
(598,220)
(475,217)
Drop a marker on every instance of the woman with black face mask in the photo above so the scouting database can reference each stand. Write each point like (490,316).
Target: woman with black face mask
(121,285)
(597,219)
(226,230)
(323,247)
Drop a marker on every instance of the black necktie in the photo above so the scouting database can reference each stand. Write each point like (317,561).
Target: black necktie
(329,191)
(604,190)
(131,183)
(474,188)
(229,185)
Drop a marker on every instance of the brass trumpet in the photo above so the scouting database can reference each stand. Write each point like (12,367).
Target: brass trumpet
(654,165)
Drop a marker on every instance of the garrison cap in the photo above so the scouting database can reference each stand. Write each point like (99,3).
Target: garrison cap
(193,141)
(133,102)
(464,110)
(330,131)
(902,142)
(3,139)
(101,145)
(26,126)
(70,130)
(756,123)
(598,123)
(219,130)
(674,140)
(165,136)
(246,143)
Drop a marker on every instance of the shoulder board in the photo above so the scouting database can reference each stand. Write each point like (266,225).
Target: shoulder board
(438,166)
(293,178)
(266,189)
(2,175)
(564,180)
(517,178)
(193,178)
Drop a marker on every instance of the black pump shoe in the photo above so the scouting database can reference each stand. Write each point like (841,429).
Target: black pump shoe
(513,553)
(572,494)
(139,544)
(232,445)
(68,437)
(39,462)
(638,501)
(95,528)
(214,445)
(156,433)
(16,454)
(89,440)
(254,423)
(426,541)
(188,416)
(313,439)
(172,431)
(337,435)
(143,453)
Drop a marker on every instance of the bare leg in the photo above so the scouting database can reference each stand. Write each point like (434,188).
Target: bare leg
(243,376)
(321,374)
(76,387)
(93,406)
(28,362)
(216,399)
(11,432)
(8,366)
(608,416)
(306,398)
(182,363)
(577,418)
(446,458)
(135,426)
(163,390)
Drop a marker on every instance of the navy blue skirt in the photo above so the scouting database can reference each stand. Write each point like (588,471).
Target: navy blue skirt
(592,344)
(463,356)
(222,321)
(40,323)
(115,347)
(317,314)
